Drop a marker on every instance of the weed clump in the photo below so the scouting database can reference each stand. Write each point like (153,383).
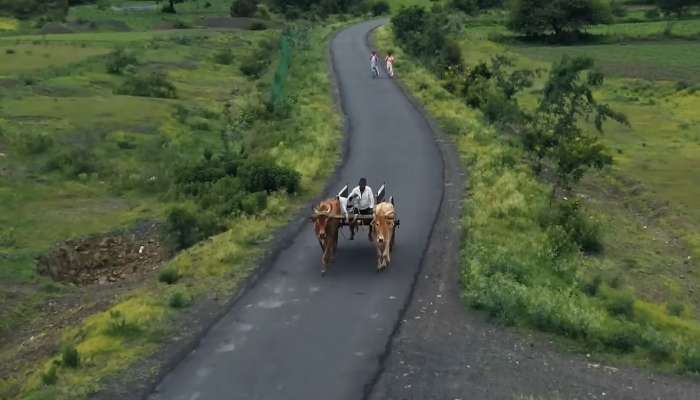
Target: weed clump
(155,85)
(70,356)
(675,309)
(31,143)
(224,57)
(179,300)
(169,276)
(50,376)
(119,326)
(184,227)
(691,361)
(119,60)
(620,303)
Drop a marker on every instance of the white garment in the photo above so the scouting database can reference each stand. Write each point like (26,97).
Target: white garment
(363,200)
(373,61)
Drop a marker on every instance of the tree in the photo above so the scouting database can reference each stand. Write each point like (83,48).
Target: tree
(677,7)
(544,17)
(554,132)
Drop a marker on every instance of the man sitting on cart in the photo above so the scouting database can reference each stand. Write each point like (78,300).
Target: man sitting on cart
(362,200)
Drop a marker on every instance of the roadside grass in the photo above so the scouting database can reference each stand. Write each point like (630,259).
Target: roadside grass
(8,24)
(25,58)
(512,269)
(307,139)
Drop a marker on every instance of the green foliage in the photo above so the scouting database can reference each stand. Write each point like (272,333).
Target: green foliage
(224,56)
(169,276)
(470,7)
(578,229)
(244,8)
(118,326)
(155,84)
(554,132)
(74,162)
(425,35)
(264,175)
(691,361)
(8,237)
(380,7)
(676,7)
(675,309)
(179,300)
(34,143)
(184,227)
(256,63)
(50,376)
(70,356)
(119,60)
(25,9)
(620,303)
(544,17)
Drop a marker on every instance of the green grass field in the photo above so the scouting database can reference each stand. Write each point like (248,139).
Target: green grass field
(645,204)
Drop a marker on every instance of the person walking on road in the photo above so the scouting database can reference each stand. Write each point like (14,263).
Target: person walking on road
(389,60)
(374,64)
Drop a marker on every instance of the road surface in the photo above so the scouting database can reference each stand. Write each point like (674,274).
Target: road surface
(295,334)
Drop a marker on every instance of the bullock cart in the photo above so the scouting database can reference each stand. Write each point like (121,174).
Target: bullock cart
(331,215)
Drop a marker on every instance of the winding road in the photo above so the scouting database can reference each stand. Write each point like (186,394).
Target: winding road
(295,334)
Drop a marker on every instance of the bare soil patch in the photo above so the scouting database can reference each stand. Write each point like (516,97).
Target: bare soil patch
(105,258)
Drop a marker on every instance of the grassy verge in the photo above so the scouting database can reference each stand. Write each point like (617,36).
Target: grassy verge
(304,139)
(515,266)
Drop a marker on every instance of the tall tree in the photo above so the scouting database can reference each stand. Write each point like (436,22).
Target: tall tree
(544,17)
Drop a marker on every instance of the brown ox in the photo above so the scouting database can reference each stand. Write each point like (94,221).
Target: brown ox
(326,224)
(384,227)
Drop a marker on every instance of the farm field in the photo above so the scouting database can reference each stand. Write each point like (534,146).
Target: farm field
(98,124)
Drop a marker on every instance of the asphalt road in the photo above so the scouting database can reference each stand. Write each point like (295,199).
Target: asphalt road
(295,334)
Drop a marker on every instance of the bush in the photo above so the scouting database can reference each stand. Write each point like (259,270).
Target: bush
(264,175)
(8,237)
(183,227)
(618,9)
(256,63)
(224,57)
(582,231)
(74,162)
(103,4)
(380,7)
(620,303)
(50,377)
(675,309)
(691,361)
(257,26)
(592,286)
(179,300)
(169,276)
(154,85)
(119,60)
(652,14)
(622,336)
(70,356)
(118,326)
(180,24)
(470,7)
(253,203)
(34,143)
(10,51)
(660,347)
(244,8)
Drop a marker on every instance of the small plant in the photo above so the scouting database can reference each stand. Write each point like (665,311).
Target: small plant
(620,303)
(224,57)
(119,60)
(10,51)
(35,143)
(691,361)
(8,237)
(675,309)
(155,85)
(169,276)
(244,8)
(103,4)
(179,300)
(592,286)
(180,24)
(119,326)
(50,376)
(257,26)
(70,356)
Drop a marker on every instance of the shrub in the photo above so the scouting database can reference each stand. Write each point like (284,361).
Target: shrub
(224,56)
(70,356)
(618,9)
(592,286)
(622,336)
(652,14)
(253,203)
(470,7)
(10,51)
(620,303)
(34,143)
(180,24)
(103,4)
(660,347)
(169,276)
(256,63)
(118,61)
(74,162)
(50,377)
(582,231)
(257,26)
(675,309)
(244,8)
(154,85)
(179,300)
(264,175)
(183,227)
(380,7)
(8,237)
(119,326)
(691,361)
